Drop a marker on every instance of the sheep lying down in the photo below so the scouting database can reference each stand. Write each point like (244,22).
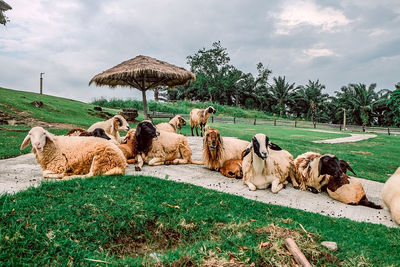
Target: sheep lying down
(74,156)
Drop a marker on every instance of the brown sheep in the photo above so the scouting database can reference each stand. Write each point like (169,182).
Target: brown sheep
(217,150)
(199,117)
(232,169)
(173,125)
(129,147)
(74,156)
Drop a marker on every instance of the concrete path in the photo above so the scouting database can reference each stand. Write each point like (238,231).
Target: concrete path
(352,138)
(21,172)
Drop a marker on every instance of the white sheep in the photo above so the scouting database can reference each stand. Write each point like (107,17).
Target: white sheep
(112,126)
(265,163)
(199,117)
(218,150)
(391,195)
(74,156)
(173,125)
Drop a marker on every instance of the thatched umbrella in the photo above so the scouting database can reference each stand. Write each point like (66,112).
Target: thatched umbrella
(143,73)
(3,7)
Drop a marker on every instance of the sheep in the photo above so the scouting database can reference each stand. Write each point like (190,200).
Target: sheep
(232,169)
(173,125)
(314,170)
(167,148)
(391,195)
(98,132)
(348,190)
(74,156)
(112,126)
(217,150)
(199,117)
(129,147)
(265,163)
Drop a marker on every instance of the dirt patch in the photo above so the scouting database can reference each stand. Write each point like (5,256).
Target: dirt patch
(361,152)
(155,238)
(275,253)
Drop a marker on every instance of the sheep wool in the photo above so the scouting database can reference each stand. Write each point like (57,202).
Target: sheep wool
(391,195)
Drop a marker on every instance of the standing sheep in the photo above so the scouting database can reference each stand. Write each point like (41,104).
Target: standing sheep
(199,117)
(173,125)
(391,195)
(74,156)
(217,150)
(265,163)
(112,126)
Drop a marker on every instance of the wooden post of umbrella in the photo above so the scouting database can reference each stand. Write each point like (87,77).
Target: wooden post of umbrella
(144,99)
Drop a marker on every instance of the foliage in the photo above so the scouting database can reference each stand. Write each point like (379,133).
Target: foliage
(146,221)
(3,7)
(394,104)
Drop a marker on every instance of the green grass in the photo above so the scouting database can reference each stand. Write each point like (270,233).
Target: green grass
(55,109)
(123,219)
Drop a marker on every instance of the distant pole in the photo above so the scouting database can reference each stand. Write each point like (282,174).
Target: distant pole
(344,119)
(41,83)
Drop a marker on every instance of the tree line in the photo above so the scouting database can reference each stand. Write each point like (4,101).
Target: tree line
(220,82)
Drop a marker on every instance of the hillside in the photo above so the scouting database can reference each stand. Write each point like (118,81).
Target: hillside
(25,108)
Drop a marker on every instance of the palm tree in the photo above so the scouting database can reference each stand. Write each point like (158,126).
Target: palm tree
(3,7)
(309,99)
(282,93)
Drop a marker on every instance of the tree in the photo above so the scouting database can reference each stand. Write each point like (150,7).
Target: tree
(282,93)
(3,7)
(394,104)
(310,102)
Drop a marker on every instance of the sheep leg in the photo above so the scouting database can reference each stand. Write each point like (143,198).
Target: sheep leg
(251,186)
(180,161)
(50,174)
(192,131)
(201,129)
(276,186)
(140,163)
(197,133)
(156,162)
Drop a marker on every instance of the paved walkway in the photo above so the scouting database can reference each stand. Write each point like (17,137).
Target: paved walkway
(21,172)
(352,138)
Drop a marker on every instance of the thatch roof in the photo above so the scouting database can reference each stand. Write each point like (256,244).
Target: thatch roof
(143,72)
(4,6)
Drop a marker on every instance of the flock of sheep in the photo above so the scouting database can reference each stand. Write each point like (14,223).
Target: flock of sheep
(101,150)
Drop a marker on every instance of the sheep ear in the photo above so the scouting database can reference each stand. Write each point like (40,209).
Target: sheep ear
(274,146)
(26,141)
(245,153)
(48,136)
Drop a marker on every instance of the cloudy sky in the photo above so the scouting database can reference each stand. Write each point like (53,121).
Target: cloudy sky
(338,42)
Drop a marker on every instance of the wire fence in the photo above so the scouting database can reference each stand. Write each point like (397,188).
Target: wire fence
(302,124)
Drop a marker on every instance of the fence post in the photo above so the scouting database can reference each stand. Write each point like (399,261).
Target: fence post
(234,120)
(363,128)
(255,121)
(340,127)
(274,122)
(315,125)
(212,119)
(388,131)
(295,124)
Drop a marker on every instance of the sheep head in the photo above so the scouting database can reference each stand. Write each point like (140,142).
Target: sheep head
(99,132)
(260,144)
(119,123)
(38,137)
(145,132)
(329,164)
(212,139)
(232,169)
(181,122)
(211,110)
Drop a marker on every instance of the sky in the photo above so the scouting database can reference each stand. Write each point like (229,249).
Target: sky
(336,41)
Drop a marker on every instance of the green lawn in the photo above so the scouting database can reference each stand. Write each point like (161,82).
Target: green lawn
(136,220)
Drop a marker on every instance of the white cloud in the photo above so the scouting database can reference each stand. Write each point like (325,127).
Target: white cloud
(318,52)
(298,13)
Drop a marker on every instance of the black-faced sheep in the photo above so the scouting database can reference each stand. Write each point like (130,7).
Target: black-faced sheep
(71,156)
(173,125)
(112,126)
(348,190)
(314,170)
(98,132)
(218,150)
(199,117)
(265,163)
(391,195)
(167,148)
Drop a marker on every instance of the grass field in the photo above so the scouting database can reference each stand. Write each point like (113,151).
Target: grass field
(136,220)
